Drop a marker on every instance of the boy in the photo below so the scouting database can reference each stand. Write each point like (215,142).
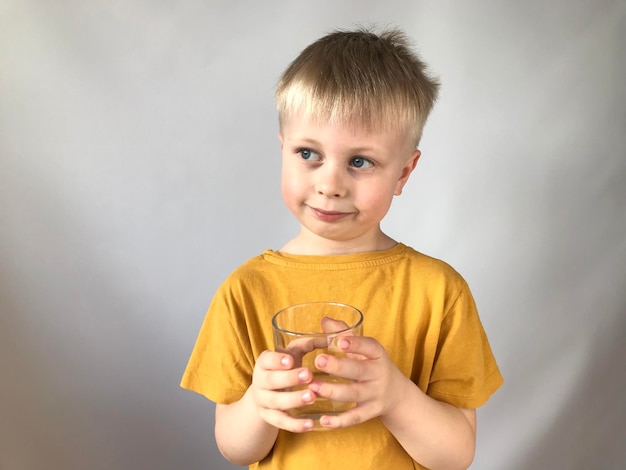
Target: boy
(351,110)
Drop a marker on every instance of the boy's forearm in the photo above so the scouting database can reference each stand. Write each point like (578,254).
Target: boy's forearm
(241,435)
(435,434)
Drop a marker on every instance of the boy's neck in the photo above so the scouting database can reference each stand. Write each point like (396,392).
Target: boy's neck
(308,244)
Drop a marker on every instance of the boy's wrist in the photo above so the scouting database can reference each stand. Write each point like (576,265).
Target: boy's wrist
(405,391)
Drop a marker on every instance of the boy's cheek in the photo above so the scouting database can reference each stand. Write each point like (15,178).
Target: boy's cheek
(287,193)
(286,187)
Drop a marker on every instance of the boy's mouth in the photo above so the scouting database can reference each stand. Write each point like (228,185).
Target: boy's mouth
(328,216)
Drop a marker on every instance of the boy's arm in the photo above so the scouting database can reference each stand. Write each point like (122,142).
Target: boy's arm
(241,435)
(245,430)
(435,434)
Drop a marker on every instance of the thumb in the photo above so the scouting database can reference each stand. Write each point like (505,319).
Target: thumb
(330,325)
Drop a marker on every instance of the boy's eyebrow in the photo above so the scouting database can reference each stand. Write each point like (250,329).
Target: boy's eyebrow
(306,139)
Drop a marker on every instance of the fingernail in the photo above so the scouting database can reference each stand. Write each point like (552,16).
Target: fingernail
(285,361)
(303,375)
(343,343)
(325,421)
(315,386)
(322,361)
(307,396)
(308,424)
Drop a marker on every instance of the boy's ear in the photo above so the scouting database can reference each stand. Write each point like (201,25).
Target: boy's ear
(406,172)
(280,138)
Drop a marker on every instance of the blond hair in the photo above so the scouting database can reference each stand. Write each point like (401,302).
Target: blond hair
(359,78)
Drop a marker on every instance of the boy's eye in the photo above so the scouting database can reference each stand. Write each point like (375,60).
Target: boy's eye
(360,162)
(308,154)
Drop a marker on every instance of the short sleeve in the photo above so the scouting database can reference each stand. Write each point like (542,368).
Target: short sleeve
(465,373)
(221,363)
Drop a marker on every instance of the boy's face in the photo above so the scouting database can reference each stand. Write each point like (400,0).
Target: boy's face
(339,183)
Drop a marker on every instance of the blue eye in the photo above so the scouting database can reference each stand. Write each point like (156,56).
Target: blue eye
(360,162)
(308,154)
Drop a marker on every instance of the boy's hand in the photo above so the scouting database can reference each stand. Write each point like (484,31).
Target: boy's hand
(378,383)
(274,372)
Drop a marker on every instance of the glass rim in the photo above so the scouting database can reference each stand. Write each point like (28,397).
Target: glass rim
(338,304)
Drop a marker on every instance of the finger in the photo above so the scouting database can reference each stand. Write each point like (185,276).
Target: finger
(282,400)
(281,379)
(364,346)
(282,420)
(330,325)
(301,346)
(346,392)
(352,417)
(273,360)
(346,367)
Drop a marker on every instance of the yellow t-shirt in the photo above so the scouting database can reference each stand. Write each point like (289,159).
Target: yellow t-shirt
(419,308)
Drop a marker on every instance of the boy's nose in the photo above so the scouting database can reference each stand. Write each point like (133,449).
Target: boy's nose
(331,183)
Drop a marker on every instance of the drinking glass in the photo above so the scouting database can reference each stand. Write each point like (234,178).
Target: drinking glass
(307,330)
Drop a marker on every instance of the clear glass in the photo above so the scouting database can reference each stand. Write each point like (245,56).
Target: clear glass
(307,330)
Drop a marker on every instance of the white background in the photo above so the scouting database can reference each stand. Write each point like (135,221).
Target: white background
(139,165)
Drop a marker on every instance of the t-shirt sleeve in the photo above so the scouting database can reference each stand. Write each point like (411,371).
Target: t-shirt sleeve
(221,363)
(465,373)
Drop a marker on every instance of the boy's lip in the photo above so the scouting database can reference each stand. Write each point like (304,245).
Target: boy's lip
(328,216)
